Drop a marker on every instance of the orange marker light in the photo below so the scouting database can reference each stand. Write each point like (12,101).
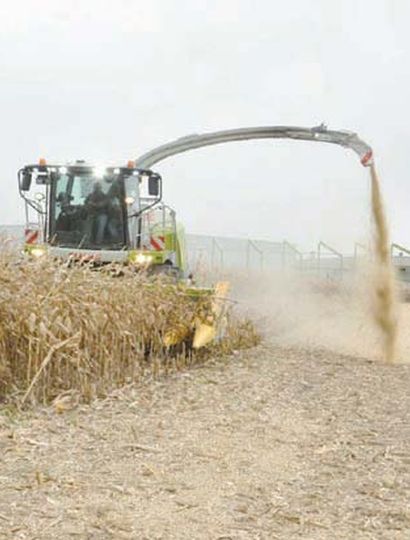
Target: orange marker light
(42,162)
(131,164)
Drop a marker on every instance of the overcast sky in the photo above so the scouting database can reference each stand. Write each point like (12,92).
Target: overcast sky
(108,80)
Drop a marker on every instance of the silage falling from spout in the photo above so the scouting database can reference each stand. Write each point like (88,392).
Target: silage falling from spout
(385,302)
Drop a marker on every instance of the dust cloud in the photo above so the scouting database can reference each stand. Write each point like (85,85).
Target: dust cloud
(358,315)
(296,309)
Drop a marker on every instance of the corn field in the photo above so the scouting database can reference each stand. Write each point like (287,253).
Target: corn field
(65,329)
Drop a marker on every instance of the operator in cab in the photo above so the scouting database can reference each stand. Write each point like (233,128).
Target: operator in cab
(114,212)
(96,204)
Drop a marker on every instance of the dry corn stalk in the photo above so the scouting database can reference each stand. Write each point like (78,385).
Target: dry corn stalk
(74,329)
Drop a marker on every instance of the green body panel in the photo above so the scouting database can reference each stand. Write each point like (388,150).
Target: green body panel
(174,243)
(157,257)
(181,248)
(169,237)
(28,248)
(199,292)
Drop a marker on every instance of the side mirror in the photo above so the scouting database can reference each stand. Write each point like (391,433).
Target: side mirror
(25,180)
(154,184)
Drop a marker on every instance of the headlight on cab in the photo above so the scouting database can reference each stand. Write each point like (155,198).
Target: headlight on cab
(37,252)
(143,259)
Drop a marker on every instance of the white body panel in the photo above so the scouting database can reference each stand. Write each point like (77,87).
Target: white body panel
(103,255)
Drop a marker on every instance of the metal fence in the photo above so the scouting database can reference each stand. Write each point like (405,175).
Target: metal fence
(226,253)
(221,253)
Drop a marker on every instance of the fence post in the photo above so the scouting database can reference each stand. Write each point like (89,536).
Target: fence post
(288,246)
(332,250)
(217,248)
(259,251)
(357,246)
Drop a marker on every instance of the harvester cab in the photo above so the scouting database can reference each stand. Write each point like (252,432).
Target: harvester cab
(100,214)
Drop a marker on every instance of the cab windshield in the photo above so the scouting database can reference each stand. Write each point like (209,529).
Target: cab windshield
(88,212)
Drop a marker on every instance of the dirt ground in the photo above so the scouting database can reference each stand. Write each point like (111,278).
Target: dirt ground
(276,442)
